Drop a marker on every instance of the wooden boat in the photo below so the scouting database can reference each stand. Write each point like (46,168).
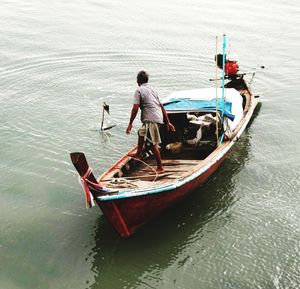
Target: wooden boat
(130,193)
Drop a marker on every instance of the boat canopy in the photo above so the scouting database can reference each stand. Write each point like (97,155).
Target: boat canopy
(205,100)
(189,105)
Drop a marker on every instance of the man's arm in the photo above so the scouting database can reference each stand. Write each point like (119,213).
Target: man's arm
(170,126)
(134,111)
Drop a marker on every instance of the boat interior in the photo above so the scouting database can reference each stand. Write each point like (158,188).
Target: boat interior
(178,159)
(182,151)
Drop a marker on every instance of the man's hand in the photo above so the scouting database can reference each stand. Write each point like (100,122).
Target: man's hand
(128,130)
(170,127)
(134,112)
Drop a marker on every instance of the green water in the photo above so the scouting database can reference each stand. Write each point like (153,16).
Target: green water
(60,61)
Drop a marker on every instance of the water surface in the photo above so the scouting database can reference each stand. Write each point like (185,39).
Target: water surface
(60,61)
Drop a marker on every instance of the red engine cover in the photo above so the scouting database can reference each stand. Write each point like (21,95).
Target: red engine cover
(231,67)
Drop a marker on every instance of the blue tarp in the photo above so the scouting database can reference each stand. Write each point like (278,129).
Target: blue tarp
(183,104)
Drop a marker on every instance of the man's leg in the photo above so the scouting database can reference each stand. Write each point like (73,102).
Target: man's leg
(155,138)
(140,147)
(156,153)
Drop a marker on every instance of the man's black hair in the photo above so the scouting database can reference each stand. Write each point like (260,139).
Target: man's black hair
(142,77)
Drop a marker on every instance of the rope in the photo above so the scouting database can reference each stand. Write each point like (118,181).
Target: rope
(119,181)
(253,74)
(84,179)
(136,159)
(89,202)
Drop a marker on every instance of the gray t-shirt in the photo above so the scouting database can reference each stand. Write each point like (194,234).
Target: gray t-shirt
(147,98)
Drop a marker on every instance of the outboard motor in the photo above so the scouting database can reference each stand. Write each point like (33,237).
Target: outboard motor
(231,65)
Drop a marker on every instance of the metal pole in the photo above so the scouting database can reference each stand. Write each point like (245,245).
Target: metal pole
(216,82)
(223,84)
(223,75)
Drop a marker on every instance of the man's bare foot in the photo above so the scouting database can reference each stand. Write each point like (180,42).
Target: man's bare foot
(159,170)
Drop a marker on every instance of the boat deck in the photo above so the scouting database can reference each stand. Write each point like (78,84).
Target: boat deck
(143,175)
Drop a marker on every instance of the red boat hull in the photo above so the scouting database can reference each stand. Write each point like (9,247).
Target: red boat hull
(129,214)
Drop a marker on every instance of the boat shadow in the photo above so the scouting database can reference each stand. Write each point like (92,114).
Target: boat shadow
(121,263)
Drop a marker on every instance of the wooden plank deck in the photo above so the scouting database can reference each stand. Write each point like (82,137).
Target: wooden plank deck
(143,176)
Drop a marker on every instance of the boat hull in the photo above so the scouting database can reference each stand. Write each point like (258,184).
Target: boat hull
(127,215)
(129,208)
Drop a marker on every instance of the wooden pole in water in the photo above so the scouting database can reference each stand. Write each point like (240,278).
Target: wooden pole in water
(102,121)
(216,82)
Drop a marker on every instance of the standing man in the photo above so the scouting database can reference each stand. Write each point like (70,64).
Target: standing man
(153,114)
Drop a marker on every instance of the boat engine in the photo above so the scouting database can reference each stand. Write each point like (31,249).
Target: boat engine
(231,65)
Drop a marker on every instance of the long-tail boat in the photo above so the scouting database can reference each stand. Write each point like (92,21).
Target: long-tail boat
(208,124)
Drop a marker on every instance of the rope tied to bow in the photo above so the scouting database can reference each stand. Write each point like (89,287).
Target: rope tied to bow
(86,183)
